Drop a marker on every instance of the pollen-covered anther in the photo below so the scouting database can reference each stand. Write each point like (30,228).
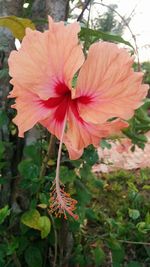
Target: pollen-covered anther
(62,203)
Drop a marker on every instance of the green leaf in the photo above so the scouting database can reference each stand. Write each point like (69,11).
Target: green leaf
(31,219)
(16,25)
(28,169)
(12,246)
(44,198)
(2,149)
(3,251)
(44,226)
(85,172)
(99,256)
(147,250)
(3,118)
(118,252)
(42,206)
(33,257)
(33,152)
(97,34)
(146,187)
(83,194)
(134,214)
(105,144)
(147,218)
(142,114)
(91,214)
(118,255)
(142,227)
(90,156)
(139,125)
(4,212)
(23,244)
(134,264)
(4,74)
(79,257)
(3,180)
(67,175)
(132,186)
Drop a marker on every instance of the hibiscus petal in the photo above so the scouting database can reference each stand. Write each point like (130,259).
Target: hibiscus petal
(67,54)
(46,59)
(80,134)
(53,125)
(109,81)
(30,109)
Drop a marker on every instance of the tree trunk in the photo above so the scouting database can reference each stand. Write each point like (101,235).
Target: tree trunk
(7,8)
(57,9)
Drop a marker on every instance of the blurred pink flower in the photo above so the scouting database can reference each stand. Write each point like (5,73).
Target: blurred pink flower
(124,145)
(119,157)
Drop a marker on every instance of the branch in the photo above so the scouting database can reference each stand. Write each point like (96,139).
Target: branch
(84,8)
(134,242)
(16,260)
(55,242)
(48,155)
(127,25)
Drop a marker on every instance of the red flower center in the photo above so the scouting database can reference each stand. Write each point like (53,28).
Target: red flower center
(64,102)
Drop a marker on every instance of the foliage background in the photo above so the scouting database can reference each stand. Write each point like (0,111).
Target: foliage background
(114,210)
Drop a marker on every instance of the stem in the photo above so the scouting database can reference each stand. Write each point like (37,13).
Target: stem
(58,162)
(127,241)
(16,260)
(84,8)
(111,260)
(56,241)
(127,25)
(46,158)
(134,242)
(61,201)
(89,15)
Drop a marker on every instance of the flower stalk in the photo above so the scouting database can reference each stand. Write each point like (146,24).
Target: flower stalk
(61,202)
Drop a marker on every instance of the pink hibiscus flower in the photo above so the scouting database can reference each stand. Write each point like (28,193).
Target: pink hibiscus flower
(42,72)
